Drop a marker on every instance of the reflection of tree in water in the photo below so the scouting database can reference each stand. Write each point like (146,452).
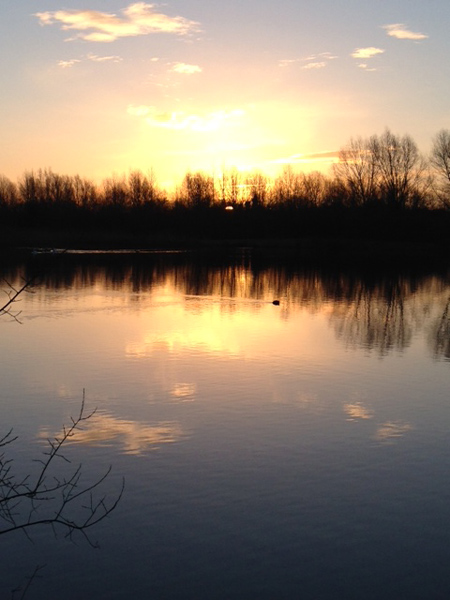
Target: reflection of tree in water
(373,310)
(376,317)
(440,333)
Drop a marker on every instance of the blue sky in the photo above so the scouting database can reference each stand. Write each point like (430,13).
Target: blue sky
(99,87)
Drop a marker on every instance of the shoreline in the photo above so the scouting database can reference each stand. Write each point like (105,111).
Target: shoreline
(329,250)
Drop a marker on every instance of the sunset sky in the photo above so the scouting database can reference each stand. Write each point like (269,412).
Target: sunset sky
(97,87)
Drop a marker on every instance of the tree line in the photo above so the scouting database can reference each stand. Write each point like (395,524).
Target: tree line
(385,172)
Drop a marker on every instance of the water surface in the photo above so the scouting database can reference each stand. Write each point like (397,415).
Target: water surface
(291,451)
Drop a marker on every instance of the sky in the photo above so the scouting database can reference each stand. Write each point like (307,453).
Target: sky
(102,87)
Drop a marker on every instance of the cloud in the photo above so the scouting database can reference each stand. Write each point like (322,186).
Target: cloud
(323,55)
(315,157)
(366,52)
(315,65)
(365,67)
(185,69)
(67,64)
(182,121)
(286,62)
(314,61)
(96,58)
(137,19)
(401,32)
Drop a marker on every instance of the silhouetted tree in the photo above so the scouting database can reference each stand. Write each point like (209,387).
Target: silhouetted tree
(257,186)
(9,194)
(115,191)
(84,192)
(357,169)
(336,193)
(197,190)
(230,187)
(30,188)
(399,169)
(440,161)
(314,188)
(287,188)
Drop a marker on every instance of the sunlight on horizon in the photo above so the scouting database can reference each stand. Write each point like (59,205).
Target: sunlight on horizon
(185,87)
(251,139)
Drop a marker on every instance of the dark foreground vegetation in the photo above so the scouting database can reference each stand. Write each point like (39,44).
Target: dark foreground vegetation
(381,191)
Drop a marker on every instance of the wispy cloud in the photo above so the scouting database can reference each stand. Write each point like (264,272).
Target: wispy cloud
(369,52)
(366,67)
(67,64)
(315,157)
(96,58)
(137,19)
(314,61)
(401,32)
(315,65)
(286,62)
(181,120)
(185,69)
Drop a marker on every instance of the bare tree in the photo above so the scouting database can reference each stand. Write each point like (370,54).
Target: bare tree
(8,192)
(234,186)
(138,188)
(387,168)
(314,186)
(357,169)
(400,168)
(440,161)
(115,191)
(30,188)
(84,192)
(258,187)
(288,188)
(198,189)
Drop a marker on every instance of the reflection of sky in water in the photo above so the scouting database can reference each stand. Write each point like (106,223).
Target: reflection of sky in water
(102,429)
(311,433)
(389,432)
(358,411)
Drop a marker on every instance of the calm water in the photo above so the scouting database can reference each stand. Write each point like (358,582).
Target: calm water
(270,452)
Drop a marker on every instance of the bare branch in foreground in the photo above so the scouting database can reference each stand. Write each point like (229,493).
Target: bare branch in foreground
(47,499)
(13,296)
(22,590)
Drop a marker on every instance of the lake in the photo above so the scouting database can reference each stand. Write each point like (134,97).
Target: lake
(270,451)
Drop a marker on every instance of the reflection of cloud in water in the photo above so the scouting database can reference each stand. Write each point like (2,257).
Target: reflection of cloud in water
(184,391)
(390,431)
(309,402)
(101,429)
(357,411)
(203,340)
